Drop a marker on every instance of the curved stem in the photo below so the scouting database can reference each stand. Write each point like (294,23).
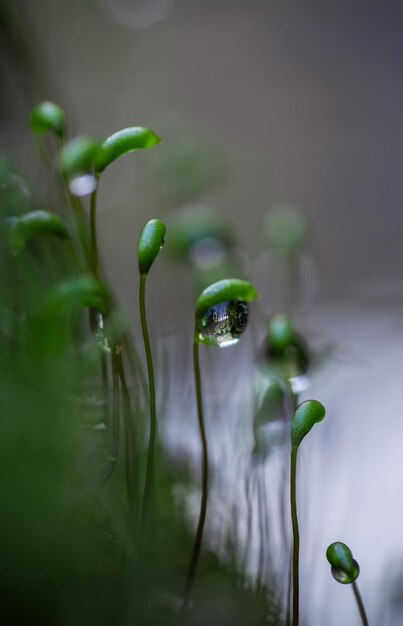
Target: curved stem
(295,532)
(203,504)
(93,232)
(360,604)
(152,405)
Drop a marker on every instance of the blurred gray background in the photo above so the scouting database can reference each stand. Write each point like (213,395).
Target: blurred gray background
(305,98)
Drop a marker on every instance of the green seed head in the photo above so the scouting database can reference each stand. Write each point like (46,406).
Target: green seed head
(151,241)
(76,293)
(344,568)
(280,331)
(48,117)
(307,414)
(125,141)
(80,155)
(223,291)
(33,224)
(286,228)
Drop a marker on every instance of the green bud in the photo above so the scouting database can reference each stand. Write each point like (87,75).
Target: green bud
(280,331)
(33,224)
(344,568)
(286,228)
(80,155)
(228,289)
(150,243)
(48,117)
(81,292)
(307,414)
(124,141)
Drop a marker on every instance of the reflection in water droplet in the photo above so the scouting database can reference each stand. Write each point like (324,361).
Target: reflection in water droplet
(224,324)
(83,185)
(207,253)
(343,577)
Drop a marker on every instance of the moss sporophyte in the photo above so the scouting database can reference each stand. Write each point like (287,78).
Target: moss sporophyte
(220,319)
(307,414)
(346,570)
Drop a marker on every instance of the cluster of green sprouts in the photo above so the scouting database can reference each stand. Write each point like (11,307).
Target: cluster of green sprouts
(221,316)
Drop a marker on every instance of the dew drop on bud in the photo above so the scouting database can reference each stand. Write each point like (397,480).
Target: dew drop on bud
(82,185)
(343,577)
(223,324)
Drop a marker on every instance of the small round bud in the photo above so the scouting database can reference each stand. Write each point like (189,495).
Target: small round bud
(48,117)
(150,243)
(345,569)
(307,414)
(80,155)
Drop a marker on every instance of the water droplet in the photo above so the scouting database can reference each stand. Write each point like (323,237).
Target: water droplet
(343,577)
(224,324)
(83,185)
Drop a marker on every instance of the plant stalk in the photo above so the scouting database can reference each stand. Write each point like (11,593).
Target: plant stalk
(115,424)
(152,404)
(295,531)
(203,504)
(130,441)
(93,232)
(360,604)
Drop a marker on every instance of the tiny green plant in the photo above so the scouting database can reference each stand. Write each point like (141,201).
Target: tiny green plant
(151,241)
(220,319)
(307,414)
(346,570)
(48,117)
(33,224)
(286,352)
(81,162)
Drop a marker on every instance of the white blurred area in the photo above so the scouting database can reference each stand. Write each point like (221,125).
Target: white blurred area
(137,13)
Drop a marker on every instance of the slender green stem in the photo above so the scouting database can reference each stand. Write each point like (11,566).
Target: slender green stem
(73,255)
(152,405)
(360,604)
(130,440)
(81,226)
(203,504)
(295,532)
(115,424)
(93,232)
